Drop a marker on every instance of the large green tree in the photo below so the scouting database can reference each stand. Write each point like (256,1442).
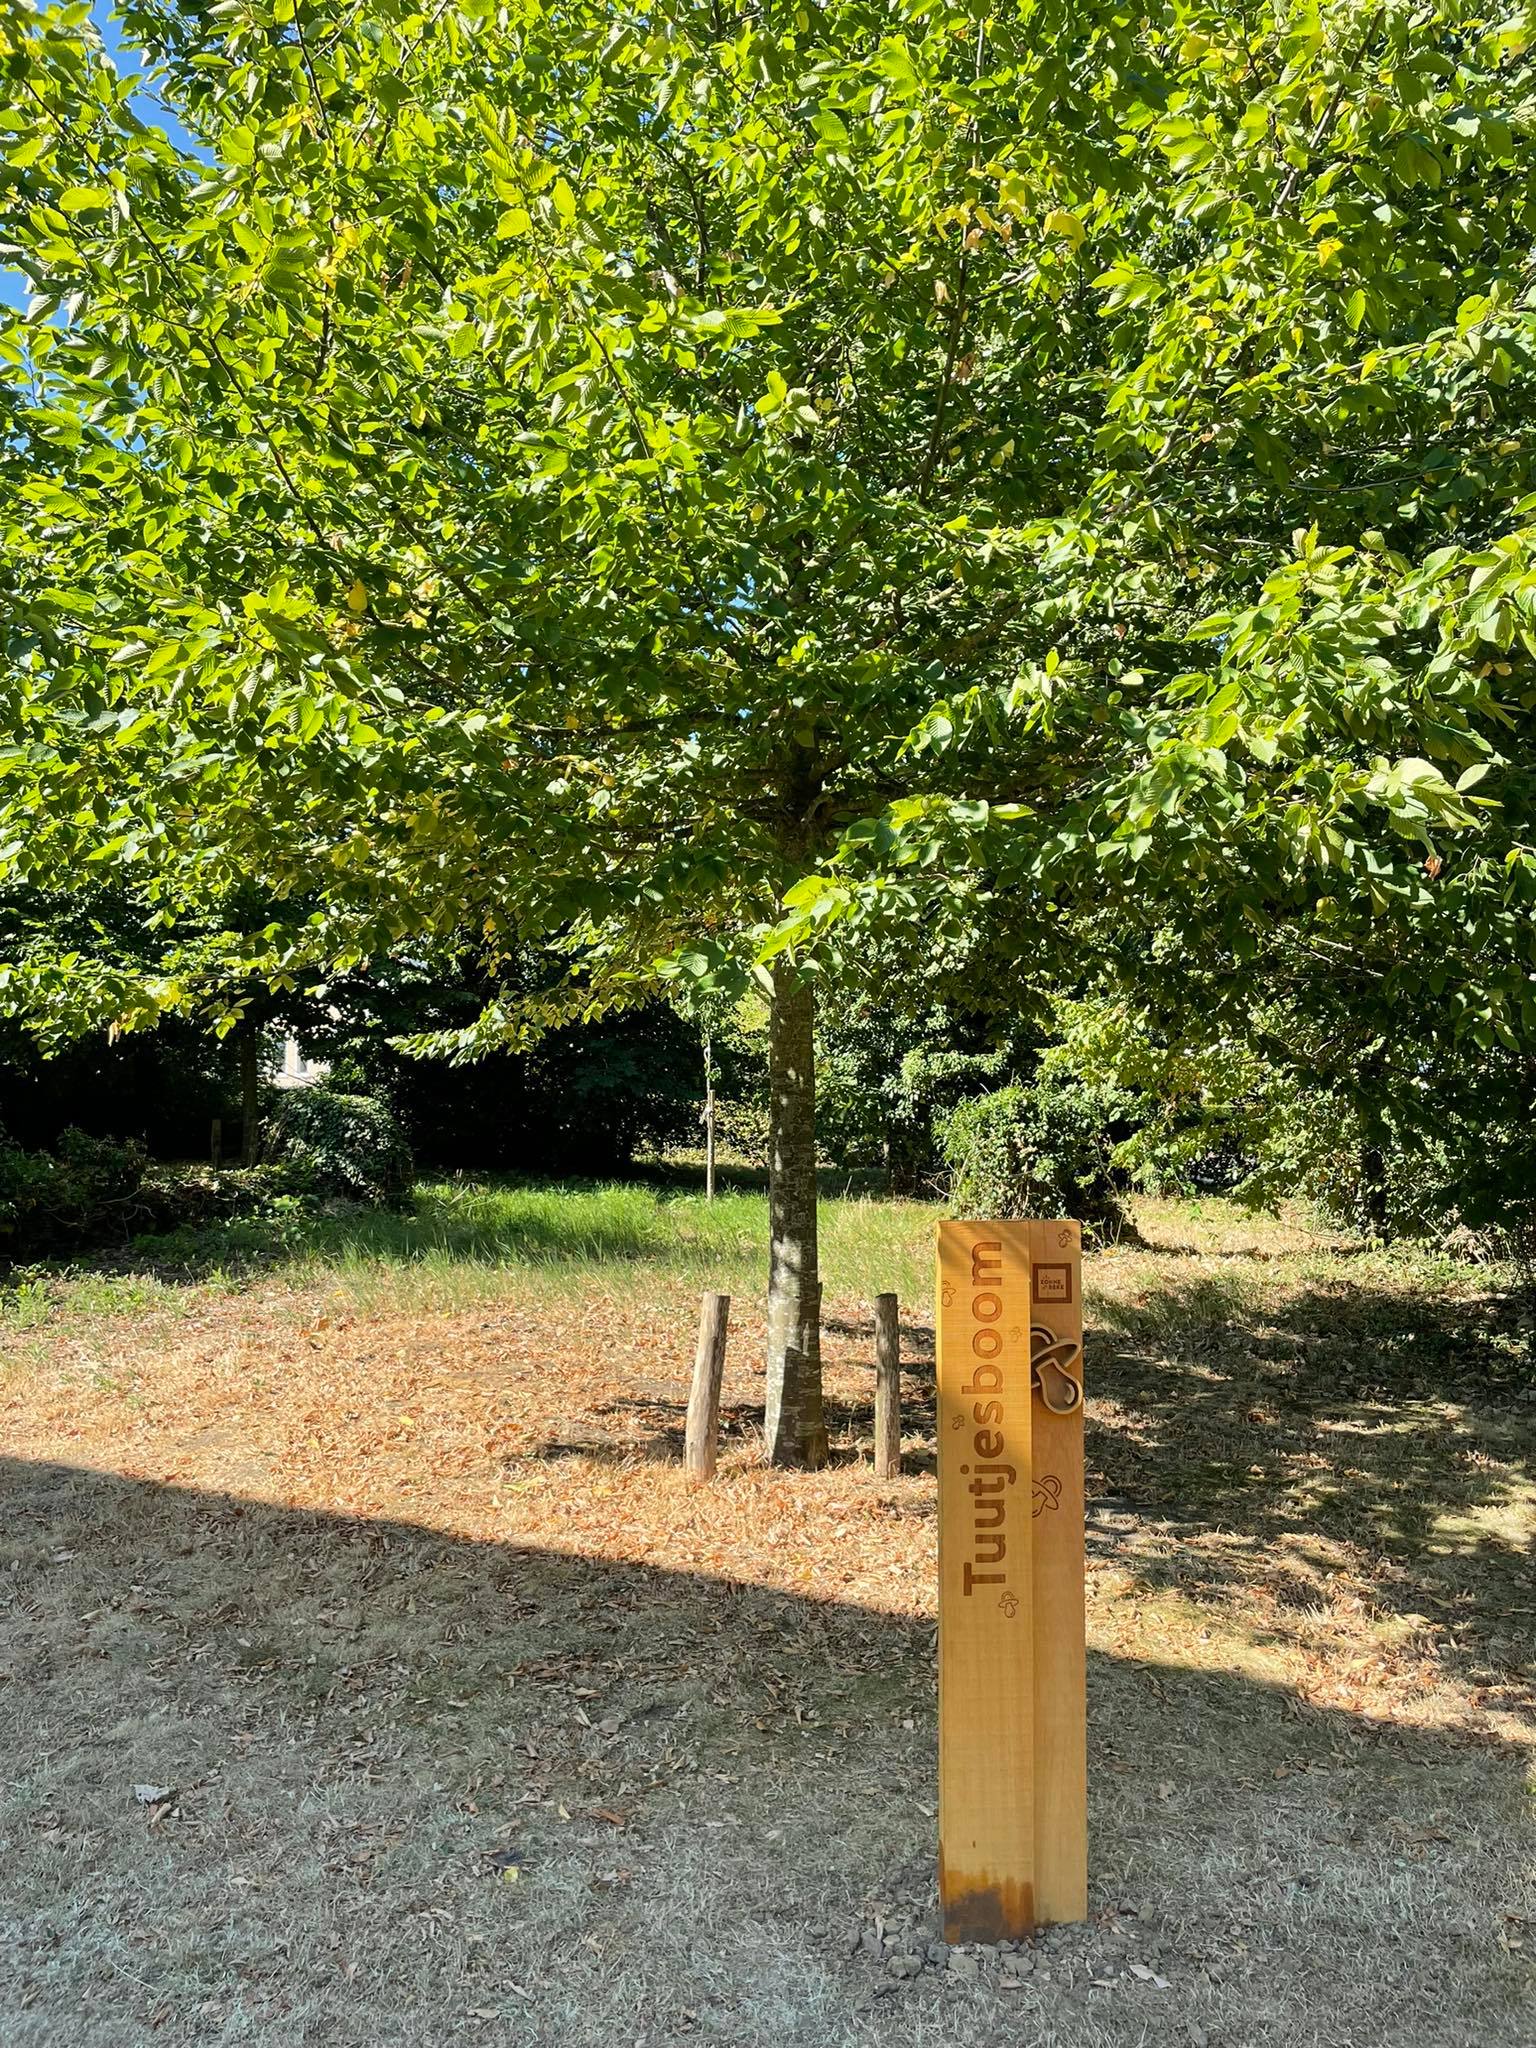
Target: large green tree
(705,485)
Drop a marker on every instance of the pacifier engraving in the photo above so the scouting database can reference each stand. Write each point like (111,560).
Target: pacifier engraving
(1055,1366)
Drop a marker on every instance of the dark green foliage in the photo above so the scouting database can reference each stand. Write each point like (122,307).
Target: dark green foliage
(82,1191)
(862,1121)
(606,1091)
(98,1193)
(588,1096)
(1469,1181)
(585,1098)
(884,1081)
(113,1059)
(162,1088)
(1303,1079)
(335,1143)
(183,1198)
(741,1127)
(1040,1151)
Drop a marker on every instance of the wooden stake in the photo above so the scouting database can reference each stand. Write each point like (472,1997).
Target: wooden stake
(703,1439)
(887,1387)
(1060,1706)
(216,1143)
(986,1584)
(814,1447)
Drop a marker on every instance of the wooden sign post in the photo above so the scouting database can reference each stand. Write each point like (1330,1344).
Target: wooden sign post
(1012,1773)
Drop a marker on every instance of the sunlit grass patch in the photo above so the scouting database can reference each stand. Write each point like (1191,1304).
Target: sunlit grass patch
(25,1304)
(467,1244)
(461,1244)
(32,1298)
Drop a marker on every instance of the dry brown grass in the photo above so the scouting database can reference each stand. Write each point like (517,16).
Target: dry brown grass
(482,1724)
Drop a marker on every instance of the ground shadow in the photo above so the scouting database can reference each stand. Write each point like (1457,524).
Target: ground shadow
(396,1787)
(663,1419)
(1327,1423)
(1242,1440)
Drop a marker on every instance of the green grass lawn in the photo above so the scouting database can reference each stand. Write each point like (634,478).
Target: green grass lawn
(459,1243)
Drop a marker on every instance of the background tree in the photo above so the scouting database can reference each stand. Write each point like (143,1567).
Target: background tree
(696,487)
(1327,1062)
(583,1098)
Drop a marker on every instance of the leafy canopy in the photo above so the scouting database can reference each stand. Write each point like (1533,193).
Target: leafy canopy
(694,481)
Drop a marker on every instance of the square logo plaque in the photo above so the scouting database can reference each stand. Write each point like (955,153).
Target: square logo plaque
(1053,1284)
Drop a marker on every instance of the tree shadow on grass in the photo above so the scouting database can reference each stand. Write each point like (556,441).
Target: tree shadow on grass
(399,1787)
(1351,1429)
(1351,1440)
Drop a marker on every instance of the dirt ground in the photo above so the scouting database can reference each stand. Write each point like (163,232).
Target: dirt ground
(370,1676)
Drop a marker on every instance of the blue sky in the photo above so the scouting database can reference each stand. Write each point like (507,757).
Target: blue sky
(13,289)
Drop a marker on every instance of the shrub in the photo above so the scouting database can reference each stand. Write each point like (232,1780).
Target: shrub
(85,1190)
(1041,1151)
(101,1191)
(884,1080)
(741,1128)
(182,1198)
(340,1144)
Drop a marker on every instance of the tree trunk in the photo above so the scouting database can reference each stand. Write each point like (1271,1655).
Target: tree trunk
(1373,1183)
(794,1424)
(250,1097)
(709,1118)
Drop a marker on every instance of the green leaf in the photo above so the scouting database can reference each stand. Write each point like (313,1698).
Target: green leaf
(1064,226)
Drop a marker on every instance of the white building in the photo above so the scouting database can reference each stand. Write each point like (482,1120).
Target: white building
(296,1071)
